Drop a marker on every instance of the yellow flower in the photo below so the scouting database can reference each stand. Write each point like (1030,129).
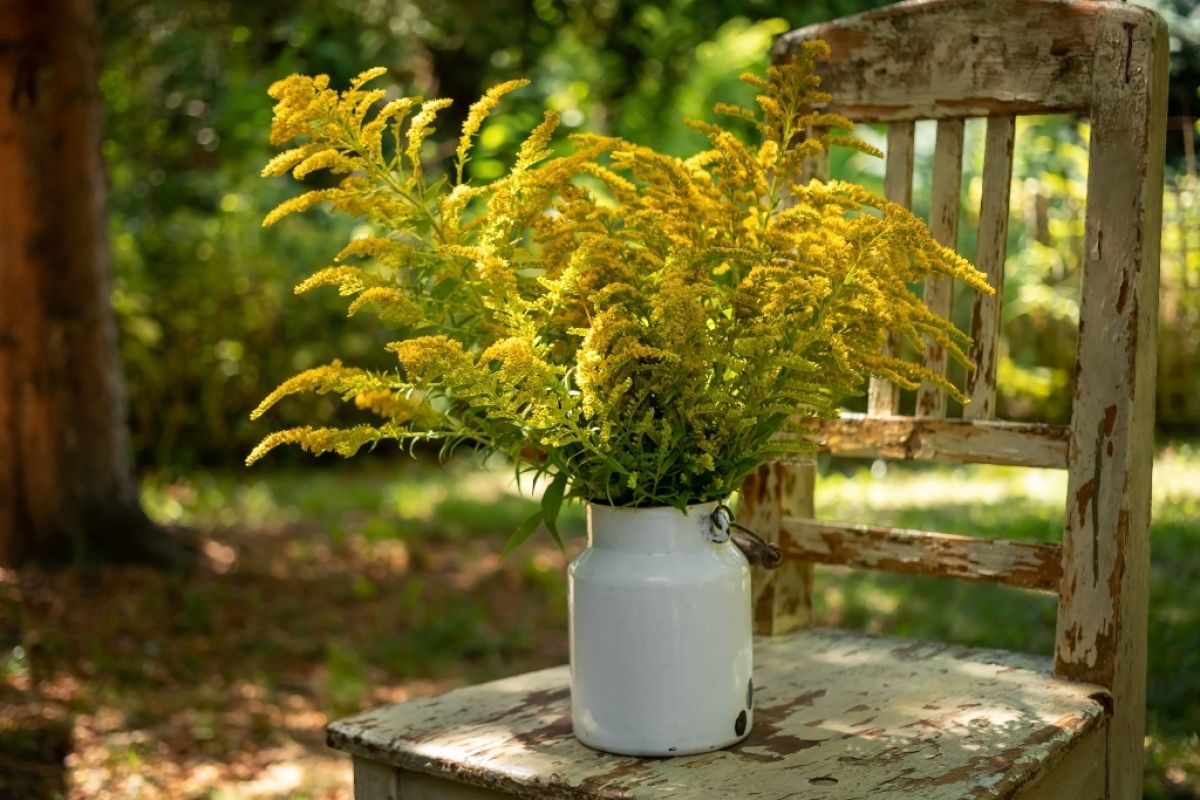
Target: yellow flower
(479,112)
(347,381)
(421,128)
(343,441)
(651,327)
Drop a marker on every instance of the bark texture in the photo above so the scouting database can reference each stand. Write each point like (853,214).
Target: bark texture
(66,479)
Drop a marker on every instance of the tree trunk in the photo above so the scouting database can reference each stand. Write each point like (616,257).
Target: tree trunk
(66,478)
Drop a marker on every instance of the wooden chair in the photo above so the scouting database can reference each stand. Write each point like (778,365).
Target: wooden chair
(840,714)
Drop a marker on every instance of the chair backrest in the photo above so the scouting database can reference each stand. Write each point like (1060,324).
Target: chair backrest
(950,60)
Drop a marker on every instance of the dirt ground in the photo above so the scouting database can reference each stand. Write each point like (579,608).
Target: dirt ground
(128,683)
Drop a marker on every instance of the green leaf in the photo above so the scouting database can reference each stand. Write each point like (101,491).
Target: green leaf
(523,532)
(444,288)
(551,502)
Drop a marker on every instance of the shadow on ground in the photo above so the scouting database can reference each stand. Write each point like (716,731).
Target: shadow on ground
(331,591)
(138,684)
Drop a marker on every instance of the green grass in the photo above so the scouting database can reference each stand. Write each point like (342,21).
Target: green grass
(418,503)
(393,500)
(967,501)
(345,585)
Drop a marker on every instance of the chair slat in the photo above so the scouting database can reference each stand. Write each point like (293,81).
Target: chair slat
(943,224)
(883,398)
(1029,565)
(1021,444)
(897,181)
(782,597)
(989,257)
(816,167)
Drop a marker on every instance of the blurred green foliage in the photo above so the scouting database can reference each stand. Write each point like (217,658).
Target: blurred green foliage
(203,294)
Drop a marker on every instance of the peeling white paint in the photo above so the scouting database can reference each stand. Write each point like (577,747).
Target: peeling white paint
(884,717)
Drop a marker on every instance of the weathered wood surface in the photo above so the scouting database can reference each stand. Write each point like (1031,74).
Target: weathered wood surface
(838,715)
(883,397)
(1106,546)
(1022,444)
(949,59)
(1078,775)
(957,58)
(943,226)
(782,597)
(1028,565)
(991,248)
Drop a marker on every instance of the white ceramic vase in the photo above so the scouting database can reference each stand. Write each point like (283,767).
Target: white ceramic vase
(660,629)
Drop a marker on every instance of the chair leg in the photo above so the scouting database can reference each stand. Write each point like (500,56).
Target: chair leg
(1080,775)
(376,781)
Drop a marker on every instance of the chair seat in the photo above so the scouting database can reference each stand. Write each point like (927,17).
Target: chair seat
(837,715)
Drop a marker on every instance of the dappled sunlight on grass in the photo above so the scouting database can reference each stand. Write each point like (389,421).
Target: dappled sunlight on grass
(892,485)
(1015,503)
(398,499)
(333,590)
(327,591)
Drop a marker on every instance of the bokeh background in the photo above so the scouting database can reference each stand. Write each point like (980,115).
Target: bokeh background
(330,586)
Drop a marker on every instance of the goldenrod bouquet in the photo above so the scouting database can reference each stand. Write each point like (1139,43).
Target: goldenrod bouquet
(640,329)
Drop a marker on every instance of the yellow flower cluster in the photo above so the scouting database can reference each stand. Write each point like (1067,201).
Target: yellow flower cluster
(646,339)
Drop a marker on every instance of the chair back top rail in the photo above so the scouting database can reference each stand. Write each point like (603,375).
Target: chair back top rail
(936,59)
